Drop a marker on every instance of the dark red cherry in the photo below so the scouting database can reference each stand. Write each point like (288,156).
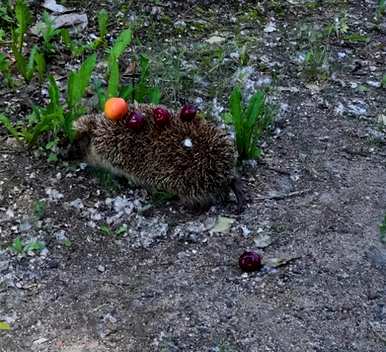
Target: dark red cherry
(161,116)
(188,112)
(250,261)
(135,121)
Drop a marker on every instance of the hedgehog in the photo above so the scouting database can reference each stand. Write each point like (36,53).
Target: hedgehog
(194,160)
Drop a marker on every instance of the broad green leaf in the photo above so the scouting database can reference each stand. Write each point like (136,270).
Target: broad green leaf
(53,92)
(85,73)
(155,95)
(4,326)
(144,64)
(4,63)
(78,81)
(103,19)
(31,63)
(40,64)
(120,45)
(140,92)
(101,94)
(24,19)
(235,106)
(65,36)
(127,92)
(21,63)
(113,85)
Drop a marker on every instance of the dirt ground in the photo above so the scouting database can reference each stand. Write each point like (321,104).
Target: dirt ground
(167,281)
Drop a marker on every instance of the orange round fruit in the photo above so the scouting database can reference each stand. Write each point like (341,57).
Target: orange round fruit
(115,108)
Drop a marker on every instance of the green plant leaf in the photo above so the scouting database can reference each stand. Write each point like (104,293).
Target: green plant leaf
(6,122)
(37,246)
(113,84)
(101,94)
(144,64)
(53,92)
(4,326)
(126,92)
(21,63)
(103,19)
(155,95)
(120,45)
(31,63)
(78,81)
(106,230)
(40,64)
(119,232)
(383,82)
(17,246)
(24,19)
(235,105)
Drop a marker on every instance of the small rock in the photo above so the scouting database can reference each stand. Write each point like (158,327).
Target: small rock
(270,27)
(180,24)
(60,235)
(375,84)
(25,226)
(101,268)
(4,264)
(223,225)
(263,241)
(53,194)
(376,135)
(40,341)
(215,39)
(10,213)
(54,7)
(382,119)
(77,203)
(44,252)
(357,108)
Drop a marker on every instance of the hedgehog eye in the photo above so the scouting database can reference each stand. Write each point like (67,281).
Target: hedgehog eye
(187,143)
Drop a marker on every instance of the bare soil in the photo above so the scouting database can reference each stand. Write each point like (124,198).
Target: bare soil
(318,192)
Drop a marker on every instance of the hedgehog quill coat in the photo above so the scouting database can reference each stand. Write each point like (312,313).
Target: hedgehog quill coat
(194,160)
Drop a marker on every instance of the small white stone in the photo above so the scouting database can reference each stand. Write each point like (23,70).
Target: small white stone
(270,27)
(187,143)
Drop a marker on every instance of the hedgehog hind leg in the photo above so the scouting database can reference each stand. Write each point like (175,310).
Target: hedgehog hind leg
(238,190)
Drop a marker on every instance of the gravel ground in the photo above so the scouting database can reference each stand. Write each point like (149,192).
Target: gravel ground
(108,269)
